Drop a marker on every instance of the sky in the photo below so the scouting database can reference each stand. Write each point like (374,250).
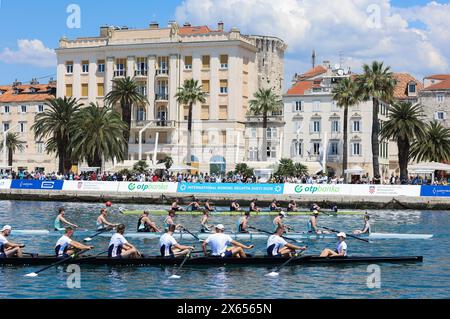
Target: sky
(410,36)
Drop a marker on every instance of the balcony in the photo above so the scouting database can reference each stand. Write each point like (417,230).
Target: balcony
(271,119)
(162,72)
(161,97)
(120,73)
(156,124)
(140,73)
(334,158)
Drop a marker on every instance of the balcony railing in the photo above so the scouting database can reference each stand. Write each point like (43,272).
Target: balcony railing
(156,123)
(259,118)
(162,72)
(140,73)
(118,73)
(161,97)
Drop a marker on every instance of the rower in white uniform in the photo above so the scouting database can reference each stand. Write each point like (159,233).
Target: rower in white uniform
(60,219)
(219,245)
(341,248)
(7,248)
(66,246)
(102,223)
(169,247)
(277,246)
(366,229)
(119,247)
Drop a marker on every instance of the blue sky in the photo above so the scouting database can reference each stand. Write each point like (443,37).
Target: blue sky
(45,20)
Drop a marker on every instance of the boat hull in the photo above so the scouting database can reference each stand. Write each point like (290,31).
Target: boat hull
(228,213)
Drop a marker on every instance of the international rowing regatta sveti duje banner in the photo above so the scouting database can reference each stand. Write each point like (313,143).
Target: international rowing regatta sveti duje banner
(38,185)
(143,187)
(349,190)
(435,191)
(90,186)
(5,183)
(222,188)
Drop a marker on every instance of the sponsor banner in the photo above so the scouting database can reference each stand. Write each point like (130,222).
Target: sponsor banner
(90,186)
(317,189)
(5,183)
(144,187)
(352,190)
(387,190)
(35,184)
(435,191)
(222,188)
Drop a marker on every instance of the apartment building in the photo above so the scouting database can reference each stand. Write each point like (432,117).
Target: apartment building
(19,105)
(160,59)
(435,98)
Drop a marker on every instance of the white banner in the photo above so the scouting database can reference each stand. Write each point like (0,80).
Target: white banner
(5,183)
(349,190)
(90,186)
(147,187)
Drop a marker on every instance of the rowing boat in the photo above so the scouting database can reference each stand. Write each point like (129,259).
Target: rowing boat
(228,213)
(237,236)
(208,261)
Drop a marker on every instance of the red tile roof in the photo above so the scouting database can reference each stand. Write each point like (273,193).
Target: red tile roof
(401,89)
(300,87)
(194,30)
(318,70)
(443,85)
(439,77)
(25,95)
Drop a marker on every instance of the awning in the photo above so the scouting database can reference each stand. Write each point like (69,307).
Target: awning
(428,168)
(179,168)
(356,170)
(313,167)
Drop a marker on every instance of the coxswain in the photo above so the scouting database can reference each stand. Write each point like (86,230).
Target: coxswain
(169,247)
(292,207)
(277,246)
(119,247)
(208,206)
(204,222)
(243,223)
(234,206)
(341,248)
(194,206)
(366,229)
(102,223)
(254,207)
(146,225)
(175,206)
(274,207)
(61,219)
(7,248)
(219,245)
(66,246)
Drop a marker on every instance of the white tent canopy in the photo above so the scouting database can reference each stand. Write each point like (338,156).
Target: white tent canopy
(428,168)
(356,170)
(181,167)
(313,167)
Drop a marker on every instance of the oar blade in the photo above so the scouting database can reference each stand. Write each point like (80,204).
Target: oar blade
(88,239)
(174,277)
(31,275)
(273,274)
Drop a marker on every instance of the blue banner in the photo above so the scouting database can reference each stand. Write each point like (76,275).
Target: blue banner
(222,188)
(35,184)
(435,191)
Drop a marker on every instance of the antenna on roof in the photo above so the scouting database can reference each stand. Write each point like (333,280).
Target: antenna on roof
(314,56)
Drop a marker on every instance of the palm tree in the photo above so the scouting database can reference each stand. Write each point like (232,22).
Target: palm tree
(13,144)
(405,125)
(53,125)
(168,162)
(376,84)
(434,146)
(97,133)
(126,93)
(189,94)
(345,94)
(265,102)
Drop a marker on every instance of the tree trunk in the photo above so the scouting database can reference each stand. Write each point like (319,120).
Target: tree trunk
(10,157)
(189,137)
(345,146)
(61,159)
(126,117)
(264,140)
(375,139)
(403,158)
(96,161)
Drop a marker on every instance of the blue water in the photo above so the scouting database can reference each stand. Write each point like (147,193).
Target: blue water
(430,279)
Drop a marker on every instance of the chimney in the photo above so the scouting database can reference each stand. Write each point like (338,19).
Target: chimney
(16,83)
(52,82)
(154,25)
(186,24)
(327,64)
(220,26)
(34,81)
(104,31)
(171,23)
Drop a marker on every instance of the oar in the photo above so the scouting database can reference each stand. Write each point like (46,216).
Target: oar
(336,231)
(33,255)
(269,233)
(276,273)
(35,274)
(98,233)
(193,235)
(175,276)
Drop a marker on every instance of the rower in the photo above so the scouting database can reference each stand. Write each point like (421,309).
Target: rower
(314,207)
(208,206)
(277,246)
(146,225)
(274,207)
(61,219)
(119,247)
(169,247)
(366,229)
(219,242)
(254,207)
(66,246)
(175,206)
(278,221)
(194,206)
(7,248)
(341,248)
(243,223)
(102,223)
(170,220)
(292,207)
(234,206)
(204,222)
(312,224)
(335,208)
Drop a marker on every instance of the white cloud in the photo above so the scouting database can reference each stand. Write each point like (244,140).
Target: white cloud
(364,30)
(31,52)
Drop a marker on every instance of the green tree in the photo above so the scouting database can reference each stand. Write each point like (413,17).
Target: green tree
(434,146)
(168,162)
(53,125)
(96,133)
(405,125)
(345,94)
(265,101)
(140,167)
(189,94)
(300,169)
(377,83)
(13,144)
(243,169)
(286,167)
(125,92)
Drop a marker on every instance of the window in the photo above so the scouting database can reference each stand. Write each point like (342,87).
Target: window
(100,89)
(271,150)
(23,109)
(316,148)
(316,106)
(271,133)
(224,61)
(69,90)
(141,67)
(356,149)
(40,108)
(334,107)
(69,67)
(297,148)
(39,147)
(335,126)
(223,137)
(85,66)
(253,132)
(334,148)
(223,86)
(101,66)
(120,67)
(5,126)
(205,86)
(384,109)
(206,61)
(6,109)
(163,64)
(22,127)
(297,126)
(298,106)
(84,90)
(188,63)
(223,112)
(440,98)
(253,154)
(440,116)
(315,126)
(356,126)
(205,112)
(142,89)
(412,88)
(140,114)
(205,138)
(384,149)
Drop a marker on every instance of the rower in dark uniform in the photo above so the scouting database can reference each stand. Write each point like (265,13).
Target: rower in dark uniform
(274,207)
(194,206)
(174,207)
(292,207)
(254,207)
(146,225)
(243,223)
(208,206)
(234,206)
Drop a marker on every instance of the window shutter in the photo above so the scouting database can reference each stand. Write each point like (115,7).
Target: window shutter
(445,115)
(436,116)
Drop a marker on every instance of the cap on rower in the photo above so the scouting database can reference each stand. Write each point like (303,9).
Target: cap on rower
(283,214)
(316,212)
(220,227)
(343,235)
(6,227)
